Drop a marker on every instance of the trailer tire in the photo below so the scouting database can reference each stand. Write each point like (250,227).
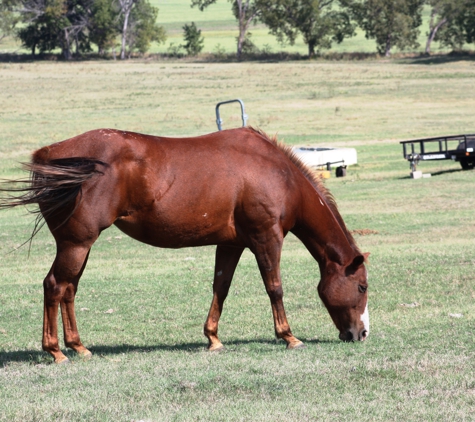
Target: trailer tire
(340,171)
(467,163)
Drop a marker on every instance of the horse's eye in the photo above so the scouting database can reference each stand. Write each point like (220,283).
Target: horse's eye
(362,289)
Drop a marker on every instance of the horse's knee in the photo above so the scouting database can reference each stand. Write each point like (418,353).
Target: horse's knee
(275,292)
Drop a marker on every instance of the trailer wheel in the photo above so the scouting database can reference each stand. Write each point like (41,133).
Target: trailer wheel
(340,171)
(467,163)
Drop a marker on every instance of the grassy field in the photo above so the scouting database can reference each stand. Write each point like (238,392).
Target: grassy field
(141,310)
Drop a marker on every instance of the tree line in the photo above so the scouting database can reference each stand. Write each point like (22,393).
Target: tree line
(75,26)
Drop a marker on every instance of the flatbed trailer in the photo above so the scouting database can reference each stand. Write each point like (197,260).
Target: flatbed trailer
(459,148)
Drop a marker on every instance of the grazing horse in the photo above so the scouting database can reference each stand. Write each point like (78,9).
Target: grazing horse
(235,189)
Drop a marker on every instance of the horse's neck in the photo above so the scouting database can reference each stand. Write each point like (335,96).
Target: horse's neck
(319,230)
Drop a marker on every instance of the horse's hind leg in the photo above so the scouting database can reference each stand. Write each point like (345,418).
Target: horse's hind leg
(227,258)
(68,315)
(60,286)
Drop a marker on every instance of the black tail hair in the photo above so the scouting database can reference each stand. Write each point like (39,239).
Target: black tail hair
(54,184)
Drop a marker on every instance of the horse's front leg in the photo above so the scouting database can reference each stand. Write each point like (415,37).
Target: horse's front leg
(60,286)
(267,249)
(226,261)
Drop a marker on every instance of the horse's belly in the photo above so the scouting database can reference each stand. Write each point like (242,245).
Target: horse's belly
(178,233)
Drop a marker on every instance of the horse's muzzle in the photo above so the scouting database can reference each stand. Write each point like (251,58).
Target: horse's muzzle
(349,335)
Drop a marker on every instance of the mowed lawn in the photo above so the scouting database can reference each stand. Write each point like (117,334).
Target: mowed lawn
(141,310)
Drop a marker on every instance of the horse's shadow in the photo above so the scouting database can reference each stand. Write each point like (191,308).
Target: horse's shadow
(37,357)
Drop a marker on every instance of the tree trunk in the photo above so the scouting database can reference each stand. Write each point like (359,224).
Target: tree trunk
(76,42)
(433,32)
(387,51)
(311,49)
(242,28)
(126,8)
(66,45)
(241,38)
(124,35)
(245,17)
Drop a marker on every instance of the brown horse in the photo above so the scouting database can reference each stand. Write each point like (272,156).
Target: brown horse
(234,189)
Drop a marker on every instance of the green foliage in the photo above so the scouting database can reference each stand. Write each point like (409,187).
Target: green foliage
(78,13)
(64,23)
(9,17)
(103,27)
(175,50)
(392,23)
(45,32)
(202,4)
(314,20)
(248,47)
(143,29)
(245,12)
(219,51)
(57,24)
(193,39)
(460,26)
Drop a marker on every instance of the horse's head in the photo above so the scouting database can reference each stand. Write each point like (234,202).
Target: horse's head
(343,290)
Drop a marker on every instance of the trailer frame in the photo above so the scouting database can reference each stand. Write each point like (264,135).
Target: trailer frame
(417,150)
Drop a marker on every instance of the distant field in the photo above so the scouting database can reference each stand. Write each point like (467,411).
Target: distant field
(219,29)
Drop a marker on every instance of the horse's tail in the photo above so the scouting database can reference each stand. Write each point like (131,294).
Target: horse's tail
(52,185)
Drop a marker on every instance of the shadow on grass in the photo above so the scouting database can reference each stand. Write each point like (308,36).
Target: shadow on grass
(437,173)
(39,357)
(440,58)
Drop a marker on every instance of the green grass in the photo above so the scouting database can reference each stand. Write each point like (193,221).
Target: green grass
(149,358)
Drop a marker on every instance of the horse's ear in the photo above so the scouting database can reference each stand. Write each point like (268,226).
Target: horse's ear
(356,263)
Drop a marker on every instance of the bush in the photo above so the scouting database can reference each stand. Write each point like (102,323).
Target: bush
(194,40)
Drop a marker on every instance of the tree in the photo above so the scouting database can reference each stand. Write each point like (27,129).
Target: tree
(103,28)
(392,23)
(78,13)
(143,27)
(9,17)
(141,16)
(245,11)
(437,20)
(194,40)
(46,24)
(459,27)
(318,23)
(55,23)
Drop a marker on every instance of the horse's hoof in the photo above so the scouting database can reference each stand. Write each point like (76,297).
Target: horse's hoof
(216,348)
(296,345)
(63,360)
(85,355)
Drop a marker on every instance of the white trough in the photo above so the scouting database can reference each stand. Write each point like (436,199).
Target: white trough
(319,157)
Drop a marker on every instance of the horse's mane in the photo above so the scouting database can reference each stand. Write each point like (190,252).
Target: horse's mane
(314,180)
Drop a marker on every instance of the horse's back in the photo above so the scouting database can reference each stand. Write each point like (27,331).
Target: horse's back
(176,192)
